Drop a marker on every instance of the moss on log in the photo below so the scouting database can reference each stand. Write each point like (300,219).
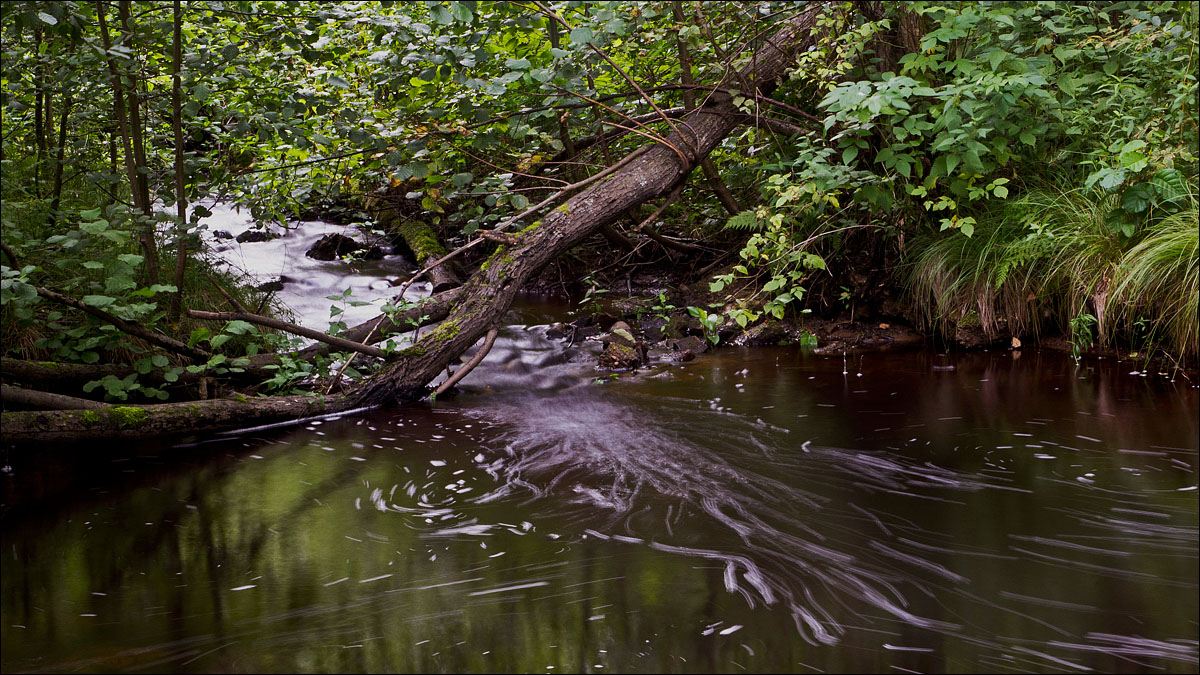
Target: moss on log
(127,421)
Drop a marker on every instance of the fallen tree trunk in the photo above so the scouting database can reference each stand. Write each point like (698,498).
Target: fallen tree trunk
(490,292)
(44,400)
(127,421)
(472,310)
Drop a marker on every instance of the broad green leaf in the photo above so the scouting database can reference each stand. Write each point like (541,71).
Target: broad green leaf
(461,12)
(98,300)
(581,35)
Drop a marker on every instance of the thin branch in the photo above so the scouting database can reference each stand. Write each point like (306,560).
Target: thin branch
(459,374)
(232,300)
(623,74)
(668,243)
(649,133)
(305,163)
(136,330)
(290,328)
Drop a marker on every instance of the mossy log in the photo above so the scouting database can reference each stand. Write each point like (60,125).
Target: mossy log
(128,421)
(425,248)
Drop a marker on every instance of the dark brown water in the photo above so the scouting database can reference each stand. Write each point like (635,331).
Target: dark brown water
(764,510)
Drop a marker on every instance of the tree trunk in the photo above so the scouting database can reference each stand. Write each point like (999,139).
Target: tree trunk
(120,421)
(39,133)
(478,306)
(146,235)
(56,192)
(141,185)
(490,292)
(180,196)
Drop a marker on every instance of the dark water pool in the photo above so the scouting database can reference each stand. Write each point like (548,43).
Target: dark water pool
(763,510)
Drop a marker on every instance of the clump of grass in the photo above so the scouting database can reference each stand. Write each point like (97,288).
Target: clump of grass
(1048,257)
(1160,278)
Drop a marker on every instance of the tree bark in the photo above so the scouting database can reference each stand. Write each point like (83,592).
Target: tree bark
(141,168)
(59,160)
(43,400)
(145,234)
(118,421)
(180,195)
(489,293)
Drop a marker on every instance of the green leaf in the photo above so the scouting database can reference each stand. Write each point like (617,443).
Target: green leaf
(849,154)
(47,18)
(98,300)
(517,64)
(1169,183)
(1001,192)
(130,259)
(338,82)
(239,327)
(461,12)
(462,179)
(581,35)
(441,15)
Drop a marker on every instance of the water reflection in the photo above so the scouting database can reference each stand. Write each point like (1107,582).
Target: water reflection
(752,509)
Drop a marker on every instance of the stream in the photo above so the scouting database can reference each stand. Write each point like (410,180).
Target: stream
(766,510)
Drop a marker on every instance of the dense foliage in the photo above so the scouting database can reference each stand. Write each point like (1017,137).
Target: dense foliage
(1024,166)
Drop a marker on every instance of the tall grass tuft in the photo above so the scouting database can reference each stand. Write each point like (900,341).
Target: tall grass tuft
(1158,281)
(1048,257)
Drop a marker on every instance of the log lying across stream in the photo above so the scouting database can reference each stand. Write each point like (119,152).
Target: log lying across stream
(477,307)
(488,294)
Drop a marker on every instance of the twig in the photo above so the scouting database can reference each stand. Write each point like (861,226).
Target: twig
(506,239)
(488,341)
(290,328)
(232,300)
(625,75)
(338,378)
(136,330)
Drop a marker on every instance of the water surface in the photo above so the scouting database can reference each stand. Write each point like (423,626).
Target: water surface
(765,509)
